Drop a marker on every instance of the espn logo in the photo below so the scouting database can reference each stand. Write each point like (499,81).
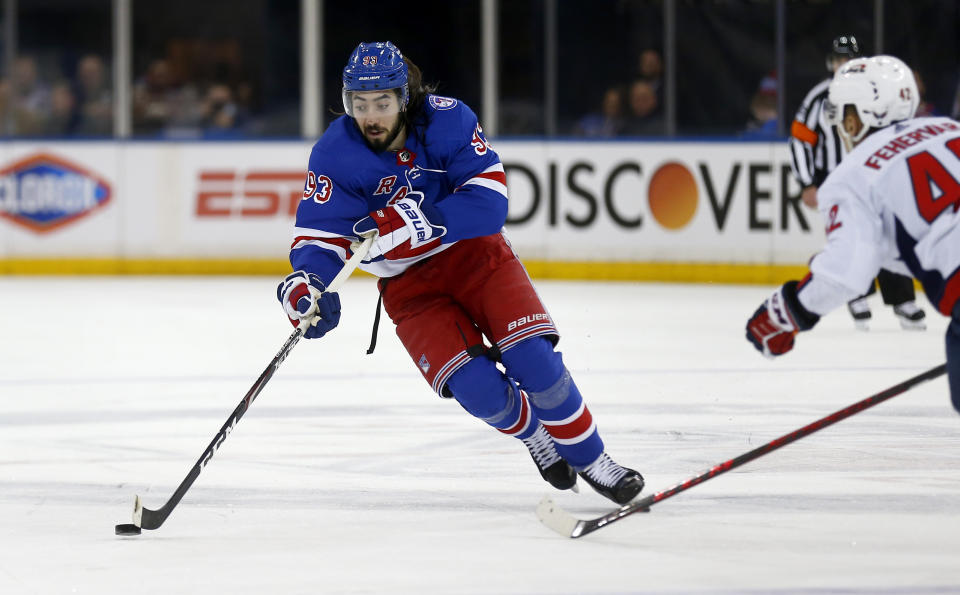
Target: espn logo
(257,193)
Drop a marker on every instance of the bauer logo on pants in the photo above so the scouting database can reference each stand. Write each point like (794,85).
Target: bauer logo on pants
(42,192)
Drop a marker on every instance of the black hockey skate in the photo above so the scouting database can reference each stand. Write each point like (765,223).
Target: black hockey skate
(620,484)
(910,316)
(551,465)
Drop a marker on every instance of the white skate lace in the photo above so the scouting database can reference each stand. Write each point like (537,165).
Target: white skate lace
(541,446)
(605,471)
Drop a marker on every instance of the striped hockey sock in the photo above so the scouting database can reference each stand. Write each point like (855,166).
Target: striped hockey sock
(563,413)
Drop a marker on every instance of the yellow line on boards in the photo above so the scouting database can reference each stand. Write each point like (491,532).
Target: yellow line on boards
(681,272)
(151,266)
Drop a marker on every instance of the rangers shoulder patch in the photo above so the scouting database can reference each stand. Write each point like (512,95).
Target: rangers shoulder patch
(442,103)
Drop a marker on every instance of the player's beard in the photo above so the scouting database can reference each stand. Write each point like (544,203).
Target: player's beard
(381,145)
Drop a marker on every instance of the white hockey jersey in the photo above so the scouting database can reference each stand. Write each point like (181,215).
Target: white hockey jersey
(893,203)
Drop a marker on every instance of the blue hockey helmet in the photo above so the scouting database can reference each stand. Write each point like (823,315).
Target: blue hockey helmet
(374,66)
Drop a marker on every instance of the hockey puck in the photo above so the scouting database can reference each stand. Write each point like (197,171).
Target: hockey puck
(127,529)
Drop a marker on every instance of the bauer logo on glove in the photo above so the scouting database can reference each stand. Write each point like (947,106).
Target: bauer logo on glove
(421,232)
(405,229)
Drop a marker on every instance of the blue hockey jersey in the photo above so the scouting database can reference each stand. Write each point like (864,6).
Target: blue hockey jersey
(447,159)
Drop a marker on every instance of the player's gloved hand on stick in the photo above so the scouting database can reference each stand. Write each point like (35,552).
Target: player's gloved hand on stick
(406,228)
(776,322)
(300,302)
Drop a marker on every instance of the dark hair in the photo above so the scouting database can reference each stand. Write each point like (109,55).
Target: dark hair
(415,114)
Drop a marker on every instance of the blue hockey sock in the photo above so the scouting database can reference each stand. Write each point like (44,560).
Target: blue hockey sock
(486,393)
(555,399)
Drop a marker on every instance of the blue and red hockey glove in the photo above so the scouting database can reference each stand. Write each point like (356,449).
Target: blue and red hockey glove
(406,229)
(299,302)
(777,321)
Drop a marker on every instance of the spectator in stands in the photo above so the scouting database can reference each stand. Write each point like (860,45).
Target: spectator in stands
(5,130)
(650,68)
(221,113)
(151,98)
(161,105)
(94,97)
(31,97)
(644,117)
(63,117)
(763,110)
(609,121)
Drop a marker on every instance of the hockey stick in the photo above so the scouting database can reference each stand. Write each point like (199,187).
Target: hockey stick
(145,518)
(567,525)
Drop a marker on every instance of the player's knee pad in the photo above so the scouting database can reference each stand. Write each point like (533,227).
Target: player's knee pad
(540,371)
(534,364)
(562,394)
(481,389)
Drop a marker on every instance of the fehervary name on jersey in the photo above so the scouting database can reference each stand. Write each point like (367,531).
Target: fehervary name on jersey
(526,320)
(904,141)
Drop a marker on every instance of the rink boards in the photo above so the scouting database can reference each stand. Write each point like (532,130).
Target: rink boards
(677,211)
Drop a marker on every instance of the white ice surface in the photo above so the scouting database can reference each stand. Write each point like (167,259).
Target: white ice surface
(349,476)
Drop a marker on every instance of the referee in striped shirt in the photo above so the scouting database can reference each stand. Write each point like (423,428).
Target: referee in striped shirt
(815,150)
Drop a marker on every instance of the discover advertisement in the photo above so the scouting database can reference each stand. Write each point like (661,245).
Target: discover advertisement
(587,202)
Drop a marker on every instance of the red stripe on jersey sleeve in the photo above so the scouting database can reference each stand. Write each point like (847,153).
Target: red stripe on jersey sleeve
(496,176)
(343,243)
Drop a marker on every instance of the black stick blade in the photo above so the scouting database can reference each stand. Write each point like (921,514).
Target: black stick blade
(146,518)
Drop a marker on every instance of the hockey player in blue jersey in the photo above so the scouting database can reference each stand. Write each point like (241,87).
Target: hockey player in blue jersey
(414,170)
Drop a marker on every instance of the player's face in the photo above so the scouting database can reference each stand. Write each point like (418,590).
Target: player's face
(851,121)
(378,117)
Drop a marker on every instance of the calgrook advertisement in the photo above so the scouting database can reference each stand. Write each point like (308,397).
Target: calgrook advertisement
(43,192)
